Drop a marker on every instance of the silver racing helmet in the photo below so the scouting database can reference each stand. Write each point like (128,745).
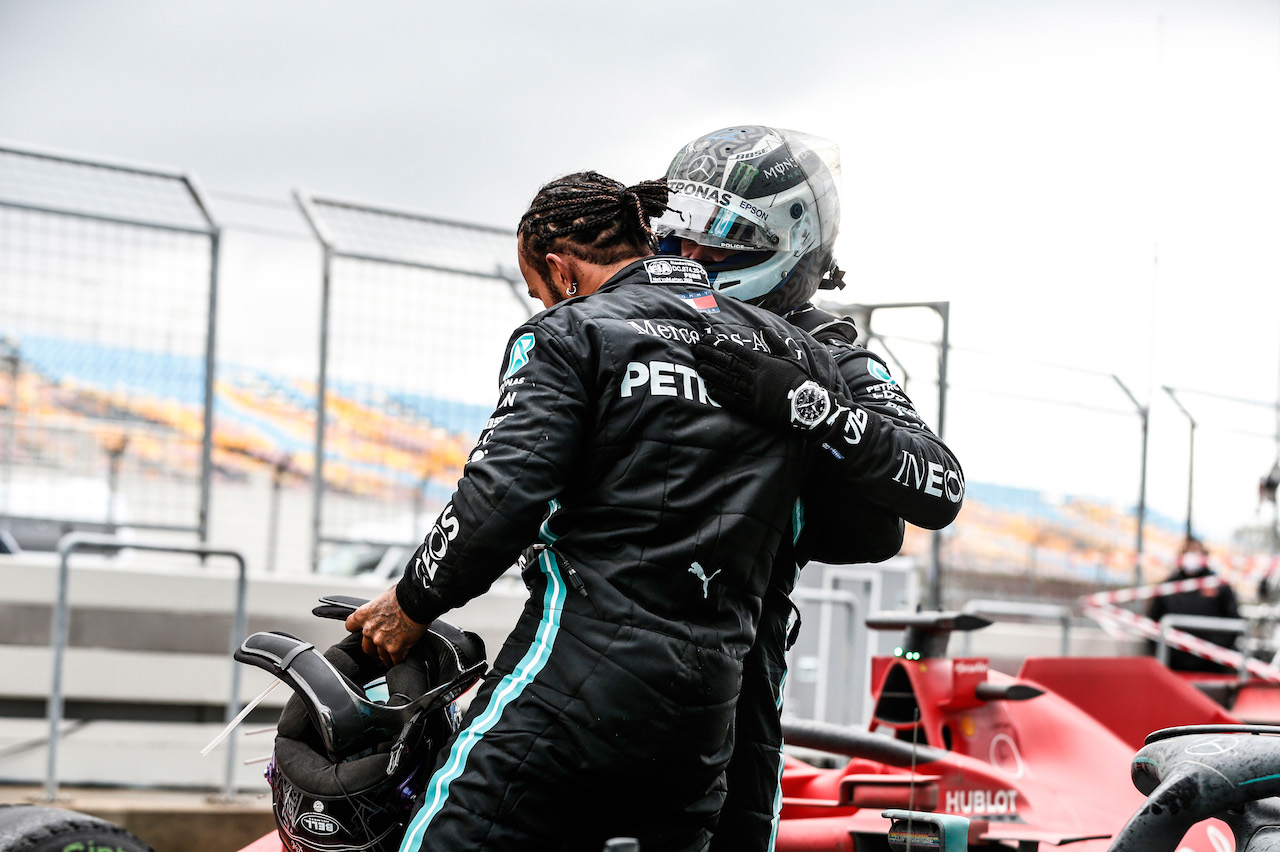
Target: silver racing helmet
(771,197)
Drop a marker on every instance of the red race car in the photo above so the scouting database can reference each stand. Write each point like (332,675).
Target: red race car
(1040,759)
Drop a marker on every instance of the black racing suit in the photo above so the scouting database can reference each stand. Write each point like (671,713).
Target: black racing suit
(609,709)
(850,514)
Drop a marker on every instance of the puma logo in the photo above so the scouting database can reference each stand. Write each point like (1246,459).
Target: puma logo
(697,571)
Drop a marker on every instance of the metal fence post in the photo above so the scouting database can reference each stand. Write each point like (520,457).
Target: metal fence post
(1191,453)
(828,599)
(125,202)
(348,232)
(278,472)
(76,541)
(1186,621)
(1144,412)
(943,310)
(325,239)
(210,353)
(10,355)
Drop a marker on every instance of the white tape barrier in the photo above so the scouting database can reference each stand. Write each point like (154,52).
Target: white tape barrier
(1101,607)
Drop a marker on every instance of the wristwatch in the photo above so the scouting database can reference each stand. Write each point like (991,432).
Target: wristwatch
(810,404)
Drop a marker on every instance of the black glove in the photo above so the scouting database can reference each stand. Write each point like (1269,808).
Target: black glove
(784,388)
(774,386)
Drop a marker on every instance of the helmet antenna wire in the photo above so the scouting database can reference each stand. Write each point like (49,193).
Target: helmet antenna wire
(911,790)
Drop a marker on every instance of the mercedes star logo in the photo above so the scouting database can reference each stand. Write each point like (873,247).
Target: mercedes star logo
(703,168)
(1217,745)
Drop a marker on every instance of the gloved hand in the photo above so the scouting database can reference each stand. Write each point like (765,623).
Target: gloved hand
(784,388)
(774,387)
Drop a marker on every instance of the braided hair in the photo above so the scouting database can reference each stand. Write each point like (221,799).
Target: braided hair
(596,218)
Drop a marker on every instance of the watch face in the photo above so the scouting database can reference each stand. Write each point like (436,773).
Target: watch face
(810,403)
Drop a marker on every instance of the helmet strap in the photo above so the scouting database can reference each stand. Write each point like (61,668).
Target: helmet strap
(403,742)
(833,280)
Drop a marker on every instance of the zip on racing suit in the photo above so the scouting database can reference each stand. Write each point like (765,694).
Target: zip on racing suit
(852,513)
(609,709)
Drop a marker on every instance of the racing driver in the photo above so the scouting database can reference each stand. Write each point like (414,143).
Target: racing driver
(609,710)
(759,208)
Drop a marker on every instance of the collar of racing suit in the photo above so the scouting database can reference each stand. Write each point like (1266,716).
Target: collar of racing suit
(822,325)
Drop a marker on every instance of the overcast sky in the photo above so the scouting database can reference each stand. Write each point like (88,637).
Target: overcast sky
(1093,184)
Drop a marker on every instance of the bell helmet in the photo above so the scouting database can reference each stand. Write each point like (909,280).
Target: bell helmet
(771,196)
(336,789)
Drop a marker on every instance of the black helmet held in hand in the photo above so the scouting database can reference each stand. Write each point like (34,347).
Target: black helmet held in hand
(356,742)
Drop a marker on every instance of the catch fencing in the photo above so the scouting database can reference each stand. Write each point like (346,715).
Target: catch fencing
(415,315)
(107,385)
(106,347)
(1106,449)
(119,412)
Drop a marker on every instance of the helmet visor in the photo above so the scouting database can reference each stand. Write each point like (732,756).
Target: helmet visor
(720,220)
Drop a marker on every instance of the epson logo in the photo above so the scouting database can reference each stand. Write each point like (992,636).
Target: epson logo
(319,824)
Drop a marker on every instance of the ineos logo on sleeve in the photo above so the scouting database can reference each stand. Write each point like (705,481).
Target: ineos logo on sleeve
(446,527)
(930,477)
(437,543)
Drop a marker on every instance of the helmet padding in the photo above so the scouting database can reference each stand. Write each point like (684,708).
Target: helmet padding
(362,802)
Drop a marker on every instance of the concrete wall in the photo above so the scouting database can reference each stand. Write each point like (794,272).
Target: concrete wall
(152,636)
(149,660)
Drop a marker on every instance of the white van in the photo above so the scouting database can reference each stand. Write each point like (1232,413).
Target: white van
(37,512)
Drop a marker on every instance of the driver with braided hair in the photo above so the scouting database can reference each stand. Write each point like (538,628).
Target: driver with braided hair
(657,514)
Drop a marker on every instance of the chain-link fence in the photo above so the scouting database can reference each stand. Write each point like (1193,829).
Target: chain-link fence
(1089,434)
(1216,432)
(1019,538)
(415,315)
(106,341)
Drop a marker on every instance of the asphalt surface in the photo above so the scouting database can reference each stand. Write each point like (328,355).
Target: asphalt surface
(168,820)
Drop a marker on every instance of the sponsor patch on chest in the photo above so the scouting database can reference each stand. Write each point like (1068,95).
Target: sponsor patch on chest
(704,301)
(675,270)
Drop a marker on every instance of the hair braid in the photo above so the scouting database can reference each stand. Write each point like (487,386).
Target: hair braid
(593,216)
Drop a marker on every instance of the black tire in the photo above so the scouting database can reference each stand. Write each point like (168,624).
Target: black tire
(30,828)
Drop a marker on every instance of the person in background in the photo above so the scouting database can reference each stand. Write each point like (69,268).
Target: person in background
(1218,601)
(609,710)
(759,207)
